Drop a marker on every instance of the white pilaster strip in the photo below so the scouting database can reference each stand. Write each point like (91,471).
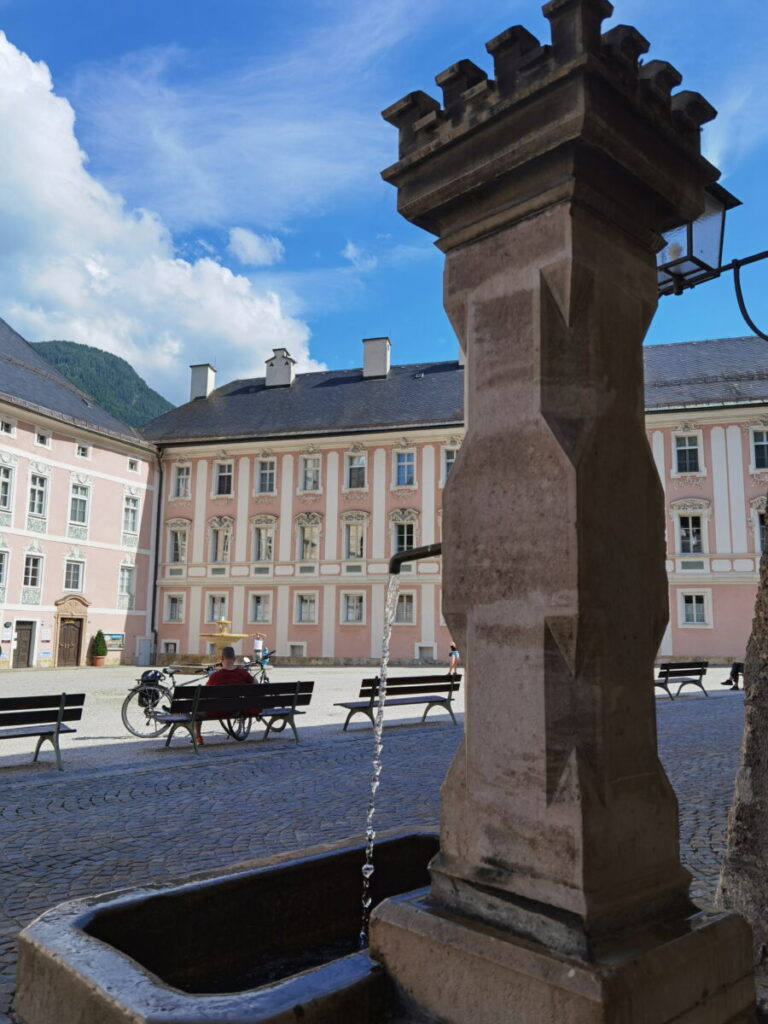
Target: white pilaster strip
(329,620)
(657,447)
(379,524)
(428,496)
(194,618)
(241,520)
(156,539)
(377,618)
(237,615)
(720,491)
(199,526)
(666,641)
(286,509)
(736,489)
(427,612)
(331,508)
(282,619)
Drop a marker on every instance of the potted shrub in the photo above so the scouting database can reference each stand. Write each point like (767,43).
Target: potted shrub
(98,650)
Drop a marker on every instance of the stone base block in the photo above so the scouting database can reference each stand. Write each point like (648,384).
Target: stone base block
(459,971)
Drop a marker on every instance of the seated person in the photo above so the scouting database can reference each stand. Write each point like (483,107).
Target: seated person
(229,674)
(737,669)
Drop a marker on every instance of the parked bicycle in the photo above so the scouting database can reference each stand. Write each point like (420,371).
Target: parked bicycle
(153,694)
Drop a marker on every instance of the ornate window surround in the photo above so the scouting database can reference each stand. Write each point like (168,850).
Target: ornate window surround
(686,428)
(701,507)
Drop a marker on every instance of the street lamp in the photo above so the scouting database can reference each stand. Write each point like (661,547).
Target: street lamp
(693,252)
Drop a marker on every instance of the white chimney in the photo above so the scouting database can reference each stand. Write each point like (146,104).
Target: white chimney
(280,369)
(376,357)
(202,381)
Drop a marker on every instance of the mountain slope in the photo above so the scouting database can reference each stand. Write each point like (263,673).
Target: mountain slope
(109,380)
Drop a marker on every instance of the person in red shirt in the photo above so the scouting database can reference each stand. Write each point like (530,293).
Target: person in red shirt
(228,675)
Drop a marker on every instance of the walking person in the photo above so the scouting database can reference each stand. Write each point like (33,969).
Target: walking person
(453,660)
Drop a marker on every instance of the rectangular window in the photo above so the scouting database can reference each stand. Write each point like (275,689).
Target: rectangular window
(6,487)
(355,471)
(449,458)
(6,427)
(133,465)
(309,542)
(694,610)
(78,504)
(38,495)
(260,608)
(131,515)
(217,607)
(310,473)
(3,567)
(405,469)
(181,481)
(404,612)
(265,476)
(177,547)
(690,535)
(83,451)
(220,538)
(760,445)
(43,439)
(125,586)
(33,570)
(687,453)
(403,537)
(73,575)
(306,608)
(174,608)
(263,543)
(352,608)
(354,540)
(223,478)
(169,647)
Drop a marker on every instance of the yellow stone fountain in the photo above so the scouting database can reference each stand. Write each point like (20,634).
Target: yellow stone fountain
(223,638)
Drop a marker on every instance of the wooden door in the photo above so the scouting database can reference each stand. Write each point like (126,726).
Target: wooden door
(23,652)
(70,632)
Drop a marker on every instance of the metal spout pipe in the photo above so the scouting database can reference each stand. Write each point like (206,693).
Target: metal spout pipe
(413,555)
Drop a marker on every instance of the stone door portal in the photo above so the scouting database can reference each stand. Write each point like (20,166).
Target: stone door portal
(23,652)
(70,633)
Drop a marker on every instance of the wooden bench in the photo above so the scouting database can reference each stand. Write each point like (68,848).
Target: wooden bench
(44,717)
(684,673)
(434,691)
(275,705)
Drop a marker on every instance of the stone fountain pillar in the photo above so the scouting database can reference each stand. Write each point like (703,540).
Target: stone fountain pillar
(558,894)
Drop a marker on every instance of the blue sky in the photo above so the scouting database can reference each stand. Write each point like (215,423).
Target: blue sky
(184,182)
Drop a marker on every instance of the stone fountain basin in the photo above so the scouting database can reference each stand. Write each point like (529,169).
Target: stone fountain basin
(271,941)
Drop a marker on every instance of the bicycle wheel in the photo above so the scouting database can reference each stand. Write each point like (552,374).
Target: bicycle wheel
(139,709)
(238,726)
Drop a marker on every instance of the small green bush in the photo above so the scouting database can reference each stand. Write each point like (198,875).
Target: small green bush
(99,646)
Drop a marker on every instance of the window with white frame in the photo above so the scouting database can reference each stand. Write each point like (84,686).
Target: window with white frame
(694,609)
(760,449)
(78,504)
(405,610)
(38,494)
(308,540)
(306,608)
(263,539)
(130,514)
(219,539)
(354,539)
(403,537)
(133,465)
(43,439)
(174,607)
(353,608)
(761,532)
(73,574)
(126,586)
(6,488)
(177,543)
(3,568)
(690,535)
(181,483)
(265,476)
(216,607)
(33,570)
(355,470)
(222,481)
(8,427)
(310,473)
(758,512)
(405,469)
(687,458)
(83,451)
(260,608)
(449,458)
(403,523)
(169,647)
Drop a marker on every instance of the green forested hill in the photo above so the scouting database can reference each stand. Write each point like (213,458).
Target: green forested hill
(109,380)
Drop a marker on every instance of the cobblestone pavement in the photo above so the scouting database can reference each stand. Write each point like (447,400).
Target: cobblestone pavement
(128,811)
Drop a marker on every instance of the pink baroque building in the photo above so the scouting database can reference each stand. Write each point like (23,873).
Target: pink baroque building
(77,513)
(284,497)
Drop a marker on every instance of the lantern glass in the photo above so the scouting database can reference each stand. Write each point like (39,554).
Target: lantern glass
(693,252)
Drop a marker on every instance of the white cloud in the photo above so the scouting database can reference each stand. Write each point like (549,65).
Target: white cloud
(255,250)
(76,263)
(358,257)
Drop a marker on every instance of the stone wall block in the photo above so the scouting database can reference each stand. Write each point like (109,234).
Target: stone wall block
(508,50)
(406,113)
(625,45)
(576,26)
(455,81)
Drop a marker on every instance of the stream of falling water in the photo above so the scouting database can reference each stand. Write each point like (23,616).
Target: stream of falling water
(393,588)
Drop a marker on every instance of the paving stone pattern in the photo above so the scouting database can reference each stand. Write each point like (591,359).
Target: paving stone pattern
(129,812)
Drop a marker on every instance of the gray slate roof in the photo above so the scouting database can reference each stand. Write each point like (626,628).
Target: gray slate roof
(26,379)
(328,402)
(723,371)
